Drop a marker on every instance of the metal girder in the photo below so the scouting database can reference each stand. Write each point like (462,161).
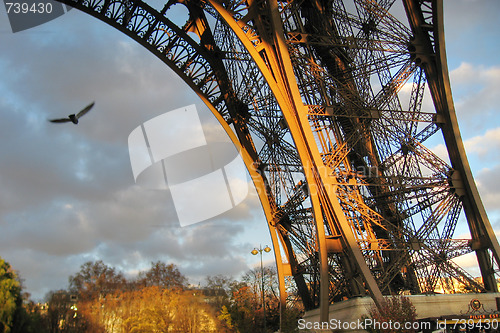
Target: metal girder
(271,56)
(426,20)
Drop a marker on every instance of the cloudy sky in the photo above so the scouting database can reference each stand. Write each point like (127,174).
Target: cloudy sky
(67,193)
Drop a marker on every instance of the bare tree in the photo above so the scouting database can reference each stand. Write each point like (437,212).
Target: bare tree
(163,275)
(96,279)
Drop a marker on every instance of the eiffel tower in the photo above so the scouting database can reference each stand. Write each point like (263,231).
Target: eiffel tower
(333,105)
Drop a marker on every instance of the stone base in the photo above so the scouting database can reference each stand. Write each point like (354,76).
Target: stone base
(345,316)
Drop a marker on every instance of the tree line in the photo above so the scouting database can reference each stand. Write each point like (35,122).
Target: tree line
(101,299)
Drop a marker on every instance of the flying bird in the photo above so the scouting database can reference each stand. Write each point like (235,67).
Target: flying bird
(73,117)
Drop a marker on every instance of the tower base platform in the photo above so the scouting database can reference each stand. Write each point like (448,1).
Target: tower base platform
(442,312)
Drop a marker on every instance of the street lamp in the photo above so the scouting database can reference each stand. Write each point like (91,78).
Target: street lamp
(255,251)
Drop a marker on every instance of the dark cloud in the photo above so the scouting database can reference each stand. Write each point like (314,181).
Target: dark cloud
(68,193)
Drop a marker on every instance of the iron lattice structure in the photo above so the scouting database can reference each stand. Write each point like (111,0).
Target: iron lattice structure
(325,100)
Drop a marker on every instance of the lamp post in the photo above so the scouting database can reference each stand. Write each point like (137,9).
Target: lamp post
(255,251)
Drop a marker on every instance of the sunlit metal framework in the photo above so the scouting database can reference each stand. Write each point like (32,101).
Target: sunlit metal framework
(333,105)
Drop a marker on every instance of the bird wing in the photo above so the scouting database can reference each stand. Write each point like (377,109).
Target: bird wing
(85,110)
(62,120)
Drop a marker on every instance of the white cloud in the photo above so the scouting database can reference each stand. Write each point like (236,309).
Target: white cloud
(486,147)
(475,89)
(488,184)
(442,152)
